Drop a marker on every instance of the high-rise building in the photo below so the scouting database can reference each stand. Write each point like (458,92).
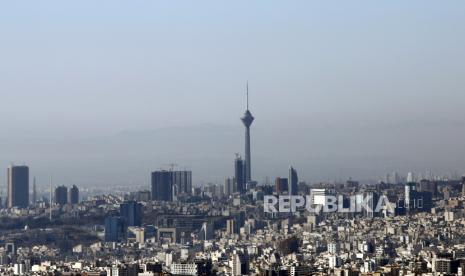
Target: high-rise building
(240,175)
(114,229)
(162,185)
(228,187)
(417,201)
(183,182)
(18,186)
(293,181)
(166,185)
(247,120)
(409,192)
(131,213)
(61,195)
(73,195)
(281,185)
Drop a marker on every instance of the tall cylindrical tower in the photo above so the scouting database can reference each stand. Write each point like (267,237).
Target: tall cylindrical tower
(247,120)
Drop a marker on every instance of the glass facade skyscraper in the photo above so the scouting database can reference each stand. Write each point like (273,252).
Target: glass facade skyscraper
(18,186)
(162,185)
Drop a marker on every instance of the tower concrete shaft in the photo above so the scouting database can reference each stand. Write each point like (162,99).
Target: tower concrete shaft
(248,167)
(247,119)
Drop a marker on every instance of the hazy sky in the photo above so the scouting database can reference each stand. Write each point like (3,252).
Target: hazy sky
(103,92)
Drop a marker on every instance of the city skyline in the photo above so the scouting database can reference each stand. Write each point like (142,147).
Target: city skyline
(241,138)
(341,90)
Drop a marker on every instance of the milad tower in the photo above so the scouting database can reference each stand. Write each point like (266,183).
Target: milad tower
(247,120)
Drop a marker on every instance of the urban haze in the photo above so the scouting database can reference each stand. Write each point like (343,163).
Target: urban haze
(99,93)
(214,138)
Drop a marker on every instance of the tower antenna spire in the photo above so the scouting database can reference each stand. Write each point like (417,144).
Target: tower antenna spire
(247,95)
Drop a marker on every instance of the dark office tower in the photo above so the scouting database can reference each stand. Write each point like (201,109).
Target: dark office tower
(131,213)
(183,181)
(73,195)
(18,186)
(293,181)
(114,229)
(417,201)
(239,175)
(61,195)
(247,120)
(162,186)
(281,185)
(425,200)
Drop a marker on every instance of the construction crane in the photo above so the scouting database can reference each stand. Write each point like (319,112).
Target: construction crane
(171,165)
